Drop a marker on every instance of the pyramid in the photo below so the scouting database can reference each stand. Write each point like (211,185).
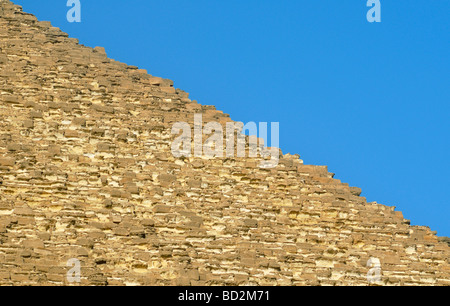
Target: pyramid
(87,173)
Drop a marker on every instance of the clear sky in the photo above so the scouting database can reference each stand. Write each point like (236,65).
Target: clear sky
(370,100)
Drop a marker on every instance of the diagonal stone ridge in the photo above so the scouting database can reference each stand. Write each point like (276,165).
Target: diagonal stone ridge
(87,173)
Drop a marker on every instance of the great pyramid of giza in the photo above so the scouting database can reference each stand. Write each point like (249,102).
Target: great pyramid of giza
(87,173)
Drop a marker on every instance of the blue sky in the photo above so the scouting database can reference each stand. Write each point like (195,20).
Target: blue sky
(370,100)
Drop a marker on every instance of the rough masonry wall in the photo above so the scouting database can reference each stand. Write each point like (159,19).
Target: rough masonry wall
(86,172)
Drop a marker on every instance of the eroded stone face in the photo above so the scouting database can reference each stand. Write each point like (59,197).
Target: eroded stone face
(86,173)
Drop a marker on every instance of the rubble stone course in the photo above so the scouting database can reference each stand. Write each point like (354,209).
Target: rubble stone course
(86,172)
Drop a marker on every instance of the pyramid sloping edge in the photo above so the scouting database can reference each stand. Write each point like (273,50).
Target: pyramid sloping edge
(87,173)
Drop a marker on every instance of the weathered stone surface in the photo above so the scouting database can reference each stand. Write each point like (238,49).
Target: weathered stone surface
(7,161)
(86,172)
